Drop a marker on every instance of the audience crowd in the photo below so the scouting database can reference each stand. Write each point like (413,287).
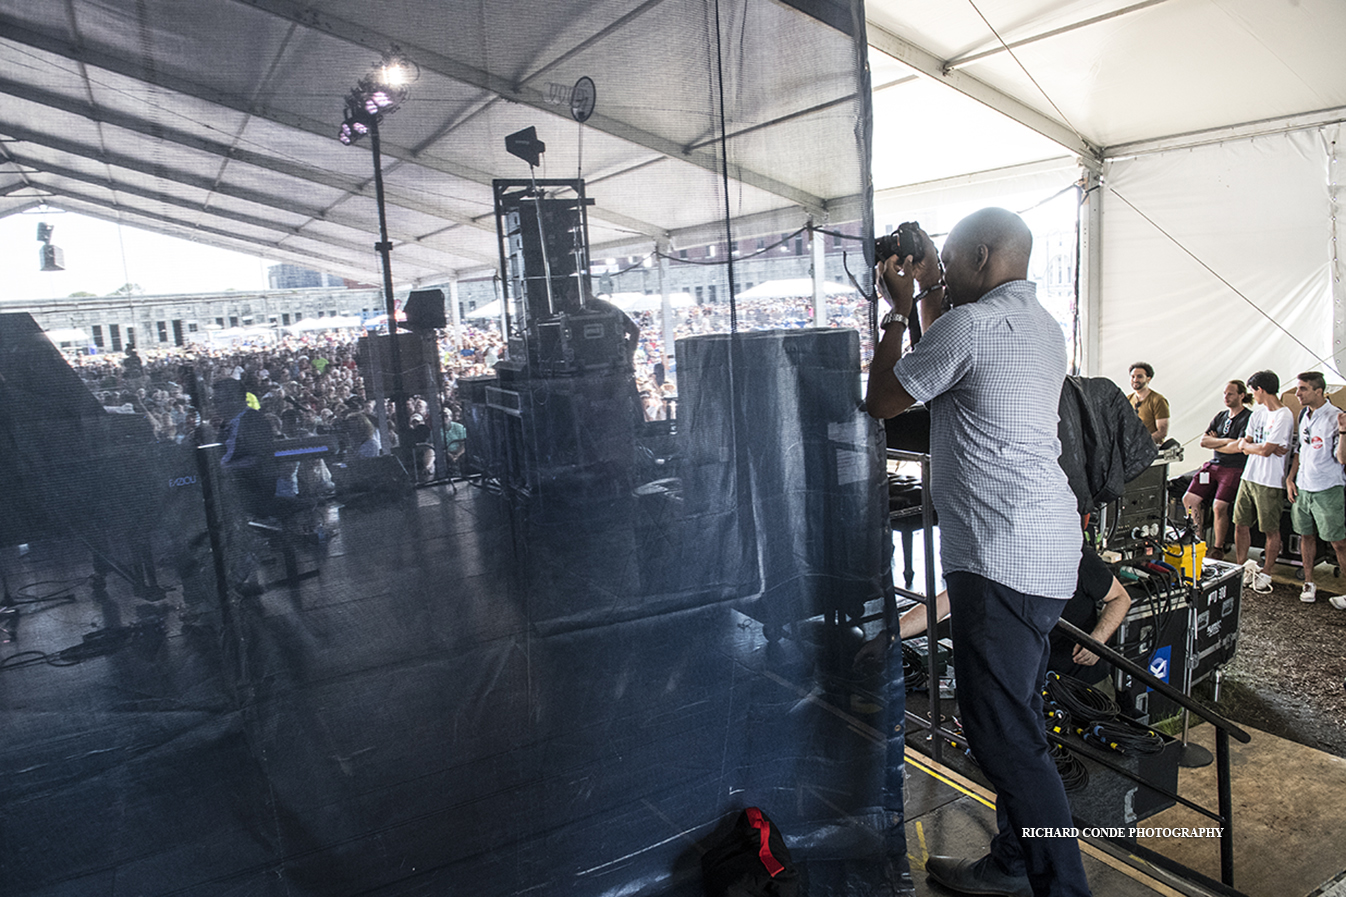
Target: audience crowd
(310,383)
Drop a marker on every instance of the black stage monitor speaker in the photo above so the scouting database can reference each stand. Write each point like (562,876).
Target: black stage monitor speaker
(425,310)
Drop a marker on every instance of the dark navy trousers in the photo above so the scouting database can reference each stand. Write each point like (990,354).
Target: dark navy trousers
(1000,659)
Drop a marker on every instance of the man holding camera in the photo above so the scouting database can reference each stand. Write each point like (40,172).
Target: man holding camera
(991,368)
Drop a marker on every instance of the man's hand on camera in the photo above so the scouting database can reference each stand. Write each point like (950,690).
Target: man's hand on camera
(927,271)
(896,284)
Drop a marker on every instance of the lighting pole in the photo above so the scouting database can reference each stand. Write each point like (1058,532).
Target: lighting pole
(381,93)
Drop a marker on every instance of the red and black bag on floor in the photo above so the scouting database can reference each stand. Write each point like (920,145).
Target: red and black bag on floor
(751,862)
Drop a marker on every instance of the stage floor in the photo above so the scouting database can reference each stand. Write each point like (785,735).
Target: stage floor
(457,700)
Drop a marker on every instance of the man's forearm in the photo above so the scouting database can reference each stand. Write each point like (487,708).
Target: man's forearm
(884,396)
(1260,448)
(1115,606)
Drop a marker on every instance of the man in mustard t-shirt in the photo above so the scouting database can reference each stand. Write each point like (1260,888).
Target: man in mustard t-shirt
(1150,405)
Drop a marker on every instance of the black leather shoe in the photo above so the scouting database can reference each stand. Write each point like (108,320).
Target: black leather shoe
(976,877)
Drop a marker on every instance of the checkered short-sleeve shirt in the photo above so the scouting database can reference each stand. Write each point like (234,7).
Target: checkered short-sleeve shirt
(991,372)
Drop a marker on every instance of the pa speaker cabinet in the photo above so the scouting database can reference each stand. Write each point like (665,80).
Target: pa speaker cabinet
(419,356)
(425,310)
(774,441)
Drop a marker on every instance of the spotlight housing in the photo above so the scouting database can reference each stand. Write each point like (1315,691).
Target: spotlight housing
(381,92)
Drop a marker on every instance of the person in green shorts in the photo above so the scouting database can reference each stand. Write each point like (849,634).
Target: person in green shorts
(1261,495)
(1316,483)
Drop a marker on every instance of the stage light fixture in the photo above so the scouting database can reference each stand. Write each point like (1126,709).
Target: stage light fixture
(380,93)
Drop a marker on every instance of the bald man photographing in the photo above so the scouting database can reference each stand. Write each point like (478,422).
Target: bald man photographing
(990,365)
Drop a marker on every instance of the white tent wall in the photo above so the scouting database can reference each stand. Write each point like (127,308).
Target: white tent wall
(1216,263)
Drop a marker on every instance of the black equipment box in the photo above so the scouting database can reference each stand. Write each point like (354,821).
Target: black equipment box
(1216,600)
(1139,514)
(584,341)
(1153,635)
(1111,799)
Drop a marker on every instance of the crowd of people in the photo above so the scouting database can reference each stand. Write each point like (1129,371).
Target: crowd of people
(315,377)
(1266,457)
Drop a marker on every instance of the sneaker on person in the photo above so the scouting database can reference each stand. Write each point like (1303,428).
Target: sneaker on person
(1309,594)
(1249,571)
(1338,601)
(1261,583)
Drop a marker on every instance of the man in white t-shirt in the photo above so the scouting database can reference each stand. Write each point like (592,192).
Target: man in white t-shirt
(1316,483)
(1261,495)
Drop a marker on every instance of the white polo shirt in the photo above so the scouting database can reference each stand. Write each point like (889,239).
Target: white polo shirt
(1317,446)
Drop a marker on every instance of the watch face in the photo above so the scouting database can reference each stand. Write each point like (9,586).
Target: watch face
(582,98)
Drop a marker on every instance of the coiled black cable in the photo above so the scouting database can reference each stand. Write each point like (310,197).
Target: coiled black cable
(1124,736)
(913,668)
(1084,704)
(1074,774)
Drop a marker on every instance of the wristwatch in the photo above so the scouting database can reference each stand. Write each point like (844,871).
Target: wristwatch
(892,318)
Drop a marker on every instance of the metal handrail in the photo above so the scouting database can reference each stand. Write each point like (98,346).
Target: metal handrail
(931,613)
(1223,727)
(1130,666)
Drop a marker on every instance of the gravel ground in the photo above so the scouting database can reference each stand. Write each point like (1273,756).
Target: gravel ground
(1289,674)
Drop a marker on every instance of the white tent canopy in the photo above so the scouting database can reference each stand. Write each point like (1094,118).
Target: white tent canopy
(67,335)
(792,288)
(149,114)
(1207,134)
(1207,128)
(340,322)
(637,302)
(489,311)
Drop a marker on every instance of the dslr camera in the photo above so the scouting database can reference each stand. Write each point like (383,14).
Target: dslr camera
(905,241)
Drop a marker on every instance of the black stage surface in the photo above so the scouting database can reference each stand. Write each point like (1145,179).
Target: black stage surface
(564,678)
(423,716)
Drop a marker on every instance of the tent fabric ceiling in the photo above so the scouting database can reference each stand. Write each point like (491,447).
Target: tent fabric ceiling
(1112,73)
(215,120)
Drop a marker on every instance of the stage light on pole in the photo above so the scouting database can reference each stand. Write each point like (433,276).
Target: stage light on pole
(380,93)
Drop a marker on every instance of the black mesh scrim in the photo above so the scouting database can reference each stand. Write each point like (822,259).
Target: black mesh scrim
(608,590)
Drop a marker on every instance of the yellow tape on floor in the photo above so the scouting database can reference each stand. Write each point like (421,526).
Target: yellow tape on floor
(965,786)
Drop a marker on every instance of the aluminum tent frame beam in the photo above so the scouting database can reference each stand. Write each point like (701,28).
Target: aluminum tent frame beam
(209,185)
(362,36)
(970,58)
(191,231)
(57,45)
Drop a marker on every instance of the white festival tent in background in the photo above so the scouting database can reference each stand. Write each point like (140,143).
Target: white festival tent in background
(793,288)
